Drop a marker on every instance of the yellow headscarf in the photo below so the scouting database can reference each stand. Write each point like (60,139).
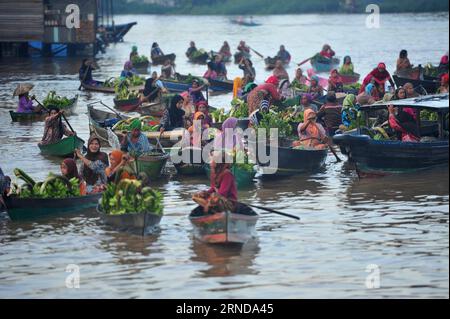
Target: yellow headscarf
(237,85)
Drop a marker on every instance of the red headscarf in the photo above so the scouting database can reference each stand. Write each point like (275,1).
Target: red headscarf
(273,80)
(444,78)
(335,78)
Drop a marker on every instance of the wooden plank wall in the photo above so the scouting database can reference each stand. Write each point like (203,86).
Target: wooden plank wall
(21,20)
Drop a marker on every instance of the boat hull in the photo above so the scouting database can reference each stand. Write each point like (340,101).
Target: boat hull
(21,209)
(224,227)
(159,60)
(324,67)
(32,117)
(142,223)
(153,166)
(430,86)
(130,105)
(63,148)
(392,156)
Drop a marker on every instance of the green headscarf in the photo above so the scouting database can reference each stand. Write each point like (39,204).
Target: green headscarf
(134,48)
(349,101)
(136,124)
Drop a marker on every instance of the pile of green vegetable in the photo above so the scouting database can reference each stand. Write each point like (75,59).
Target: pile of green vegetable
(197,54)
(149,124)
(431,70)
(54,186)
(297,86)
(292,114)
(274,120)
(130,197)
(55,100)
(352,87)
(241,161)
(426,115)
(139,59)
(123,93)
(190,78)
(239,109)
(219,116)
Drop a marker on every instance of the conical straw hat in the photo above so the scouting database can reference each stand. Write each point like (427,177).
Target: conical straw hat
(22,89)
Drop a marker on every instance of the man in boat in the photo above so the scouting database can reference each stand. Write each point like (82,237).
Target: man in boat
(284,55)
(404,123)
(25,101)
(135,142)
(222,195)
(55,129)
(330,114)
(156,51)
(153,88)
(85,72)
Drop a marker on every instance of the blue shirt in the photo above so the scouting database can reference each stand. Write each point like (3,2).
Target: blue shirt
(142,145)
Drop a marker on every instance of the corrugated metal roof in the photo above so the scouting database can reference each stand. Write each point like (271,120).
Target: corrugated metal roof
(437,102)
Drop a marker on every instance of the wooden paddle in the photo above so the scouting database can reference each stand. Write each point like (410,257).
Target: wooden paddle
(303,62)
(111,109)
(333,151)
(84,77)
(257,53)
(272,211)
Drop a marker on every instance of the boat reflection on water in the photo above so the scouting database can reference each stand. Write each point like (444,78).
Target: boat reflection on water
(226,260)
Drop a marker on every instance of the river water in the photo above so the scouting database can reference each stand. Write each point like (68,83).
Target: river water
(396,226)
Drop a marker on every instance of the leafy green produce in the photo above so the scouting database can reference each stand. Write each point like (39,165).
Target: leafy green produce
(274,120)
(426,115)
(138,59)
(54,186)
(190,78)
(352,87)
(241,161)
(198,53)
(239,108)
(219,116)
(149,124)
(131,197)
(292,114)
(299,86)
(55,100)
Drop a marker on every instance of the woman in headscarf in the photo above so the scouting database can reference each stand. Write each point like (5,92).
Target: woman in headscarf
(223,194)
(444,84)
(311,134)
(134,53)
(225,50)
(367,97)
(335,82)
(94,164)
(197,128)
(117,161)
(128,71)
(153,88)
(203,107)
(380,75)
(300,79)
(55,129)
(237,87)
(350,111)
(327,52)
(25,101)
(135,142)
(210,74)
(196,92)
(315,88)
(156,51)
(347,66)
(69,170)
(267,91)
(306,102)
(174,116)
(404,124)
(229,139)
(280,72)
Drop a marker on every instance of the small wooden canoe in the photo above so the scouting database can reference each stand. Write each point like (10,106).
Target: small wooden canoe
(139,223)
(100,121)
(189,161)
(40,116)
(99,87)
(226,227)
(158,60)
(271,62)
(225,58)
(245,23)
(199,59)
(155,109)
(29,208)
(117,32)
(152,165)
(430,86)
(63,148)
(320,66)
(141,67)
(130,105)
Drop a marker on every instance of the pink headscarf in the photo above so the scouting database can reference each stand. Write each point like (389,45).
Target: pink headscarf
(224,140)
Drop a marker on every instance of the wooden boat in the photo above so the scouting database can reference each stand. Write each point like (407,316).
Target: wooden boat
(141,223)
(100,121)
(63,148)
(199,59)
(394,156)
(30,208)
(430,86)
(243,177)
(245,23)
(413,74)
(152,165)
(225,227)
(271,62)
(181,85)
(189,161)
(99,87)
(321,66)
(167,139)
(239,55)
(117,32)
(290,161)
(155,109)
(130,105)
(158,60)
(40,116)
(142,67)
